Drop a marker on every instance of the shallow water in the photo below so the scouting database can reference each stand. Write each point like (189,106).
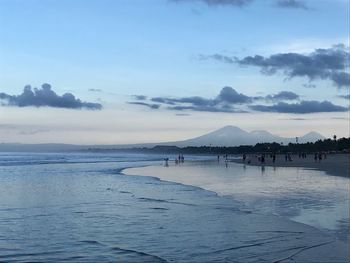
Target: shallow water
(80,208)
(304,195)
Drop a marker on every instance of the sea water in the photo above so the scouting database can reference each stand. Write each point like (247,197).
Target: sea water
(79,207)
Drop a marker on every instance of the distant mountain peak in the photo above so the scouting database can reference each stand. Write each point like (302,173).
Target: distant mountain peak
(260,132)
(314,133)
(234,136)
(230,128)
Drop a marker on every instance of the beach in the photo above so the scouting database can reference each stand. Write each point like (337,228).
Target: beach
(309,197)
(334,164)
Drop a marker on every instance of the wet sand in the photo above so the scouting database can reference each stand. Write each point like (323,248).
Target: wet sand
(334,164)
(277,184)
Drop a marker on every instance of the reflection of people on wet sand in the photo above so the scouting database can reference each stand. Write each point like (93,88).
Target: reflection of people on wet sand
(262,158)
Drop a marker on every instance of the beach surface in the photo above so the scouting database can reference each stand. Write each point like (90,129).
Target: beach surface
(290,196)
(334,164)
(82,207)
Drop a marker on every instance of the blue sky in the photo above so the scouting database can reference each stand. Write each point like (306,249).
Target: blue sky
(156,48)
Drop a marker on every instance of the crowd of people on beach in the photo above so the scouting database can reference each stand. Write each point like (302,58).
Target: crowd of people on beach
(179,159)
(261,158)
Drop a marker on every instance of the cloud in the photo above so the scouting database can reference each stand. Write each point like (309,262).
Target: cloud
(95,90)
(196,101)
(339,118)
(151,106)
(46,97)
(23,129)
(230,101)
(227,109)
(283,95)
(294,119)
(226,101)
(223,102)
(302,107)
(347,97)
(297,119)
(182,114)
(230,95)
(236,3)
(297,4)
(331,64)
(309,86)
(139,97)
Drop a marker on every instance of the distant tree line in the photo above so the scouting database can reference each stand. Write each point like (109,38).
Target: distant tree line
(326,145)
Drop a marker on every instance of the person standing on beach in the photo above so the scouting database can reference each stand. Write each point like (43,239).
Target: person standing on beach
(274,158)
(244,157)
(319,156)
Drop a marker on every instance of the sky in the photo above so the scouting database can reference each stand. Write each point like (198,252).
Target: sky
(134,71)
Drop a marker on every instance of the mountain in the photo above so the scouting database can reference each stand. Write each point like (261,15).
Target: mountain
(226,136)
(234,136)
(310,137)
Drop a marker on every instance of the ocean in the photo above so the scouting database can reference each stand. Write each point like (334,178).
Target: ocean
(81,207)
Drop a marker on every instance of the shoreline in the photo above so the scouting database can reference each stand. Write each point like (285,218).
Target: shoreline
(334,164)
(329,251)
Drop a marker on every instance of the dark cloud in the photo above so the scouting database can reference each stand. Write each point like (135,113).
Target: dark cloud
(230,101)
(196,101)
(301,108)
(309,86)
(224,102)
(140,97)
(341,78)
(298,4)
(283,95)
(151,106)
(229,95)
(95,90)
(347,97)
(46,97)
(332,64)
(237,3)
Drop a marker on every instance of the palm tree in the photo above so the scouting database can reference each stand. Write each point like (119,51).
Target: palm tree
(335,137)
